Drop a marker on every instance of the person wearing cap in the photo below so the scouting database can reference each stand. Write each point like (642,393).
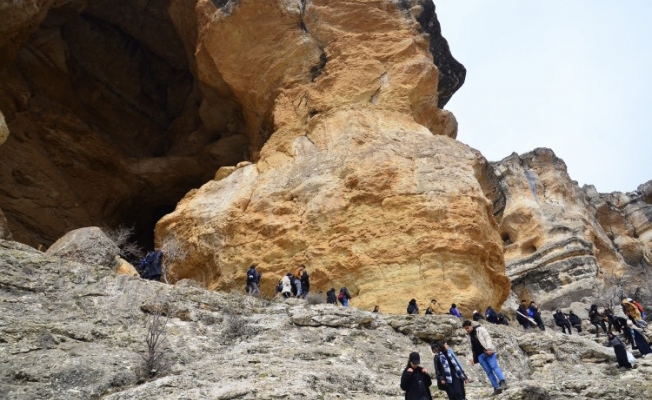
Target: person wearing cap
(415,379)
(449,372)
(484,353)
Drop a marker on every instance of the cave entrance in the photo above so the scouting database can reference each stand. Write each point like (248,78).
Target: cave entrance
(109,126)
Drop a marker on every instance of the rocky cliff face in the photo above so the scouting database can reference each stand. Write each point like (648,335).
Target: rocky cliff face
(75,331)
(112,111)
(561,240)
(360,178)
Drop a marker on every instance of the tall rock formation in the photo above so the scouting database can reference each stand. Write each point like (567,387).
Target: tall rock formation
(562,240)
(359,177)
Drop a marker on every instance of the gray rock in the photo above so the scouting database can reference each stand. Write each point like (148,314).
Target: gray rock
(86,245)
(74,331)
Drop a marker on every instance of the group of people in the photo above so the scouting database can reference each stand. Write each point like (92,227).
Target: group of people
(297,284)
(449,374)
(413,308)
(529,316)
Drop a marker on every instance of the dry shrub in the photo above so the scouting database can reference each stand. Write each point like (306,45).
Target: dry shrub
(155,360)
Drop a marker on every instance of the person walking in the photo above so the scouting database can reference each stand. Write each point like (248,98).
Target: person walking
(305,281)
(597,320)
(575,321)
(330,296)
(253,281)
(484,353)
(448,371)
(412,307)
(562,321)
(620,350)
(287,286)
(633,313)
(415,380)
(639,340)
(533,312)
(344,296)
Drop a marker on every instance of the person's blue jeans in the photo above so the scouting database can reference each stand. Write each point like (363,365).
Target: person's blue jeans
(345,302)
(490,366)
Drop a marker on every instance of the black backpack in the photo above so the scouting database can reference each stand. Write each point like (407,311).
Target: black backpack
(151,265)
(251,276)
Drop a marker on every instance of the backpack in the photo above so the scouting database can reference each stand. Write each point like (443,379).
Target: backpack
(151,265)
(251,276)
(340,296)
(640,307)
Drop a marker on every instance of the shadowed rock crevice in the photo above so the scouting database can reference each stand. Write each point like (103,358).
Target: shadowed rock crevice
(107,123)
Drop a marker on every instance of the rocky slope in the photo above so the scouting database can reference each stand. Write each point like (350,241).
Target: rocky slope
(75,331)
(320,129)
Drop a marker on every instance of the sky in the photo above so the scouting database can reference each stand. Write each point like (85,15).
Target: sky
(574,76)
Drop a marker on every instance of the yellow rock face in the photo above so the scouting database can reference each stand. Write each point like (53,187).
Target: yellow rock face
(351,180)
(123,267)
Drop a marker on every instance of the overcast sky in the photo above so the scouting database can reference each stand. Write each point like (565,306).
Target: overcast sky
(574,76)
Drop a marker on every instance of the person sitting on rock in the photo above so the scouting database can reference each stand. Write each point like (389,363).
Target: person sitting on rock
(287,286)
(454,311)
(448,371)
(412,307)
(597,320)
(522,315)
(620,350)
(562,321)
(575,321)
(639,341)
(330,296)
(431,308)
(376,309)
(415,380)
(533,312)
(484,353)
(477,316)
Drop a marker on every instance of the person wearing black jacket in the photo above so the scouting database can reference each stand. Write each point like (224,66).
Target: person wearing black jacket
(412,307)
(448,371)
(597,320)
(536,315)
(305,281)
(575,321)
(330,297)
(522,316)
(562,321)
(620,350)
(415,380)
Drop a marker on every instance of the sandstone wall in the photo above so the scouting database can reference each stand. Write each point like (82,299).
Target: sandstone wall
(350,179)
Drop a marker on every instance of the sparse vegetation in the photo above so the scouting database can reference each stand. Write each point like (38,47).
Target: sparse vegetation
(314,298)
(129,250)
(155,360)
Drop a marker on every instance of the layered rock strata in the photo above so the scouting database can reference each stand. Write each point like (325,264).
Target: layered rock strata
(555,249)
(359,177)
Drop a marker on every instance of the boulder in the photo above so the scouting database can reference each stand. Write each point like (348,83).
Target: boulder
(123,267)
(86,245)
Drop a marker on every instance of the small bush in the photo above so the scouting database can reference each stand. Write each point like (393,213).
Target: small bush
(235,327)
(155,361)
(314,298)
(129,250)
